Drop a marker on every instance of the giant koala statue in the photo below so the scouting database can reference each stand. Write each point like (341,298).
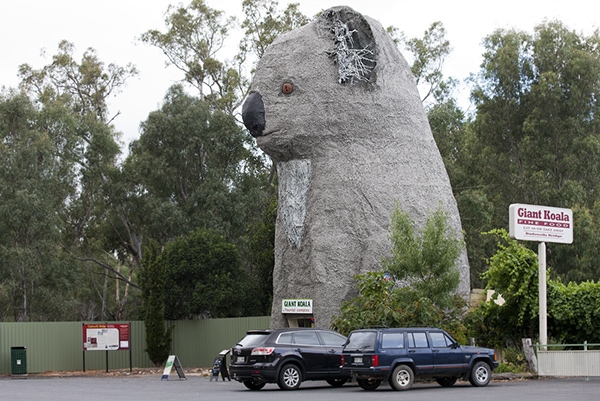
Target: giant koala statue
(336,107)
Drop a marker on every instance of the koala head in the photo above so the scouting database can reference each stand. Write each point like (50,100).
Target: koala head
(311,84)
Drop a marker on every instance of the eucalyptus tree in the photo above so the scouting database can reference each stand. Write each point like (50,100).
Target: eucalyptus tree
(263,22)
(74,96)
(194,41)
(35,183)
(192,163)
(537,122)
(197,39)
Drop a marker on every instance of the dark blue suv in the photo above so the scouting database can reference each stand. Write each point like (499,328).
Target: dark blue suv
(402,355)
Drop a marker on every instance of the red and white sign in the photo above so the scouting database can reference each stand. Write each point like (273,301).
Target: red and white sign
(541,223)
(106,337)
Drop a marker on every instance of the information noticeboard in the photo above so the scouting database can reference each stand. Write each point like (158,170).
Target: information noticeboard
(106,337)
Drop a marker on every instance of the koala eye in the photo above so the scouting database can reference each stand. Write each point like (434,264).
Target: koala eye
(287,88)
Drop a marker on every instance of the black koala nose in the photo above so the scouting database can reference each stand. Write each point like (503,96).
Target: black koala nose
(253,114)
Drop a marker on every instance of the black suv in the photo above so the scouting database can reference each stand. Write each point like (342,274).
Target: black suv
(401,355)
(288,357)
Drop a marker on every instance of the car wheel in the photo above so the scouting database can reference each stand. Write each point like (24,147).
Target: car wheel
(368,384)
(446,381)
(402,378)
(481,374)
(336,382)
(290,377)
(253,385)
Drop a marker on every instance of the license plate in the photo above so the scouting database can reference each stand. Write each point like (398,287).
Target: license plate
(358,360)
(240,359)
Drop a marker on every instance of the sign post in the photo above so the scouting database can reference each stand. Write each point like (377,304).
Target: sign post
(542,294)
(542,224)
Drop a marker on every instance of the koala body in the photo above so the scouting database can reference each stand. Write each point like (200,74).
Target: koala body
(336,106)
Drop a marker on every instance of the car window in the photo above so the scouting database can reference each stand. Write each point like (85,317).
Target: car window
(254,339)
(441,340)
(285,338)
(392,340)
(361,340)
(418,340)
(306,338)
(332,339)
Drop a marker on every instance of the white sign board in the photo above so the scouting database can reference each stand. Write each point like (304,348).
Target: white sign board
(173,361)
(541,223)
(296,306)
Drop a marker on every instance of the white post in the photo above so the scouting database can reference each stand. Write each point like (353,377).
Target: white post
(542,295)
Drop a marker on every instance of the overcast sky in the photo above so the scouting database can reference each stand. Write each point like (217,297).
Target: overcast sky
(113,26)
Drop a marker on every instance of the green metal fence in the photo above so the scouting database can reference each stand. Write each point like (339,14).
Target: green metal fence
(58,346)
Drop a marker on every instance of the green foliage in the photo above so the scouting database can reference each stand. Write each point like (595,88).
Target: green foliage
(195,35)
(533,138)
(427,54)
(261,236)
(578,261)
(574,312)
(82,87)
(196,166)
(427,263)
(512,274)
(425,259)
(430,52)
(35,184)
(203,278)
(158,340)
(513,361)
(573,309)
(263,22)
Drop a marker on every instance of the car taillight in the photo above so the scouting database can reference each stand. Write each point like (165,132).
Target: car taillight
(263,351)
(342,360)
(375,360)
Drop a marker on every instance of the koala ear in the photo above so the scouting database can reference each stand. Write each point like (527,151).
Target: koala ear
(354,45)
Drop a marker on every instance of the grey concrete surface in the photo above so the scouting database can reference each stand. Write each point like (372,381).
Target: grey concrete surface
(151,387)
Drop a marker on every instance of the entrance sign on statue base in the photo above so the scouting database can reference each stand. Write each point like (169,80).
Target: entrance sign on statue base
(173,361)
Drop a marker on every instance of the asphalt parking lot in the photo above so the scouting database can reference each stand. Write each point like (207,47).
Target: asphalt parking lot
(199,387)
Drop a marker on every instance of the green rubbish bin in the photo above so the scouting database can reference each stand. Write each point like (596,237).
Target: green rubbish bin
(18,361)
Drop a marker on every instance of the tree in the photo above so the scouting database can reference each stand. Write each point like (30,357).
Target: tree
(158,340)
(534,138)
(263,23)
(71,97)
(425,259)
(195,36)
(192,165)
(35,184)
(417,285)
(84,87)
(513,276)
(578,262)
(429,54)
(203,278)
(261,236)
(536,115)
